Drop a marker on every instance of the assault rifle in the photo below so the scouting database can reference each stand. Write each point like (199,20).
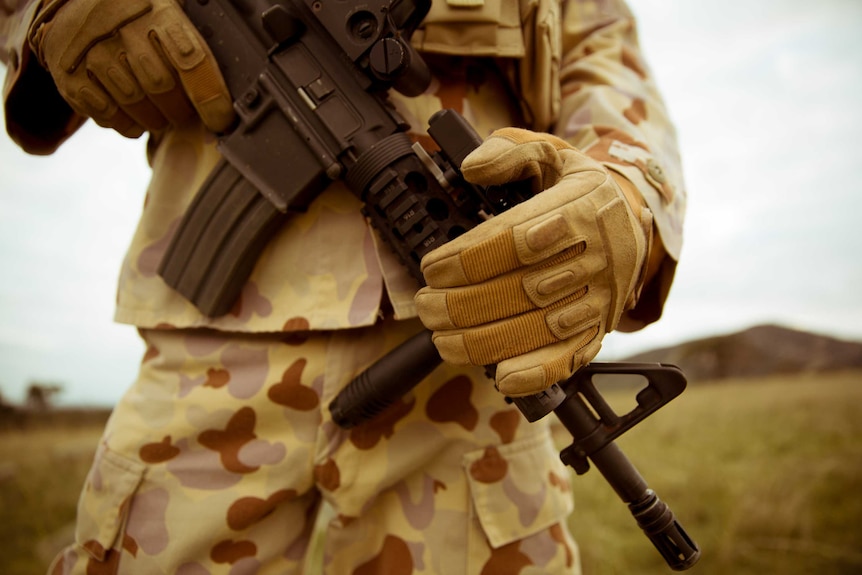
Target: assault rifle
(310,80)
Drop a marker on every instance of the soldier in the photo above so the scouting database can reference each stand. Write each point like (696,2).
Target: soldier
(220,455)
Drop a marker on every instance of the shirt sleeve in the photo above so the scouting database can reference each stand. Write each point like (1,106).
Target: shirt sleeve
(612,110)
(37,117)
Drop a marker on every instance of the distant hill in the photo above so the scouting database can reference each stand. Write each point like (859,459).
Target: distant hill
(758,351)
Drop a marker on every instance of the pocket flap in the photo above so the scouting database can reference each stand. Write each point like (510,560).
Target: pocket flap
(518,489)
(103,507)
(489,28)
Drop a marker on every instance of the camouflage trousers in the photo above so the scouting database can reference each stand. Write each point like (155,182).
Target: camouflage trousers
(219,458)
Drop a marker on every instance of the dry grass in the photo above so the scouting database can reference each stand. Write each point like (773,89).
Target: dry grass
(765,476)
(41,474)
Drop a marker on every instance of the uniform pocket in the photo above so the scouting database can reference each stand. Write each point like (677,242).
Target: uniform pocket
(518,489)
(104,504)
(487,28)
(539,74)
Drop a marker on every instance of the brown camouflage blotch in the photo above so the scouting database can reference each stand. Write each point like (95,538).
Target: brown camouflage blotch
(451,403)
(609,134)
(637,112)
(245,512)
(451,94)
(230,551)
(151,352)
(110,565)
(327,475)
(296,324)
(560,483)
(228,442)
(217,378)
(130,546)
(558,535)
(506,560)
(630,60)
(506,423)
(95,549)
(369,434)
(492,467)
(291,393)
(160,452)
(394,559)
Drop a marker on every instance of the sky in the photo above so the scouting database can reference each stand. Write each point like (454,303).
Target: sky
(767,100)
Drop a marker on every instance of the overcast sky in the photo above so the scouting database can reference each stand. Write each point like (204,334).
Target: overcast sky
(767,98)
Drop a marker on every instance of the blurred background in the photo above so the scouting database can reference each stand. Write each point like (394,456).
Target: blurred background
(766,98)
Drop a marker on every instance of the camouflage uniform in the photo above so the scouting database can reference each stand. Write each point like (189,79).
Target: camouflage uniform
(218,457)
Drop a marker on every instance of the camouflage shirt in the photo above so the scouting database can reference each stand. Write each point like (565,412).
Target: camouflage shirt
(572,68)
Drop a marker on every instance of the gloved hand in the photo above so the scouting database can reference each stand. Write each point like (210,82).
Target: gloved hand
(131,65)
(536,288)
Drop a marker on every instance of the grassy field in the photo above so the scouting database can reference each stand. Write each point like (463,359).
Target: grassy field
(42,469)
(765,475)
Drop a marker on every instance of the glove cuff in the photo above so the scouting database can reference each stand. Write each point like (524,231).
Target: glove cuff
(644,215)
(44,14)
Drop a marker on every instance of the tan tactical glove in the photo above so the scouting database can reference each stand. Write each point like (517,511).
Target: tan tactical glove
(535,289)
(131,65)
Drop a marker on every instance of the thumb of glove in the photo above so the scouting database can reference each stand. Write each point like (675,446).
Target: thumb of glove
(514,154)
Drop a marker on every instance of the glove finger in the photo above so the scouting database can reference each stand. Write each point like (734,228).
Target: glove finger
(89,99)
(492,343)
(197,70)
(473,305)
(121,123)
(108,63)
(512,294)
(536,371)
(156,74)
(525,234)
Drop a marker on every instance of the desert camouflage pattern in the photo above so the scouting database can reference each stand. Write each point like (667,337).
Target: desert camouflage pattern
(325,269)
(219,457)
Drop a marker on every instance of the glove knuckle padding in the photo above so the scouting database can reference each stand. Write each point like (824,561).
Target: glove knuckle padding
(533,372)
(103,63)
(74,32)
(534,289)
